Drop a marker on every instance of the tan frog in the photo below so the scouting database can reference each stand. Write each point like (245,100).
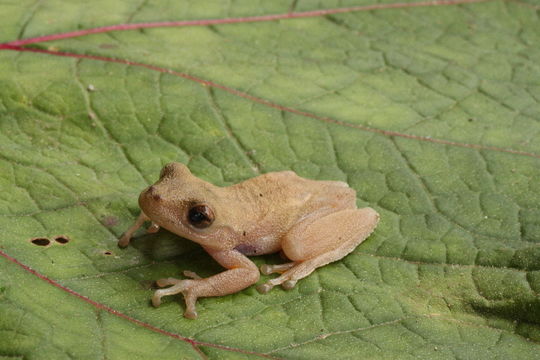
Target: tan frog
(312,222)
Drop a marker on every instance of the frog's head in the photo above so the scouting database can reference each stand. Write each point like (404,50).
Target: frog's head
(187,206)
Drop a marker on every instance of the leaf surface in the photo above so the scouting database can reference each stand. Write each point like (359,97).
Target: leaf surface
(430,111)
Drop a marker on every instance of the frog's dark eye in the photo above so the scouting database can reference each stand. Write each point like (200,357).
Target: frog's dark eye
(200,216)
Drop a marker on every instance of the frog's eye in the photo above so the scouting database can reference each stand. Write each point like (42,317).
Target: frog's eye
(200,216)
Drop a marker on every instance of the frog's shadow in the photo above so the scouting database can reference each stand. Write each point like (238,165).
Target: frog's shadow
(170,255)
(166,247)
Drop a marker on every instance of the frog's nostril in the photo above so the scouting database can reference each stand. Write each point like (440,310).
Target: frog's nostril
(153,193)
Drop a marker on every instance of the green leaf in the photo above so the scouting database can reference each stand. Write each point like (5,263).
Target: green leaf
(431,111)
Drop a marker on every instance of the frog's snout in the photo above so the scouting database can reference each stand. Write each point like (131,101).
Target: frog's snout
(149,197)
(153,193)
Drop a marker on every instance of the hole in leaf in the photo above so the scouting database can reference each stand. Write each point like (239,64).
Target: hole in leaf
(108,253)
(62,239)
(40,241)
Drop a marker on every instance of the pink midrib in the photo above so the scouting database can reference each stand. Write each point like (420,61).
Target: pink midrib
(246,19)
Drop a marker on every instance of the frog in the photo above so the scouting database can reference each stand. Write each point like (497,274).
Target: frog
(311,222)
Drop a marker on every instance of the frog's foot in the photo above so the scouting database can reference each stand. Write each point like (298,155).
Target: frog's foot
(271,269)
(177,286)
(280,268)
(312,243)
(286,283)
(267,286)
(296,271)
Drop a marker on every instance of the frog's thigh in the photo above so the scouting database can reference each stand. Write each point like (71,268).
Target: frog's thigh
(316,242)
(337,233)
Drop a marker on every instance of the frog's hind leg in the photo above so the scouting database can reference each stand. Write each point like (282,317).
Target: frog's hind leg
(316,242)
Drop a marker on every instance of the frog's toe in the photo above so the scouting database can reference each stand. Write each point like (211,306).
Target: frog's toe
(190,299)
(124,241)
(178,286)
(166,282)
(279,268)
(156,299)
(191,314)
(267,269)
(264,288)
(289,284)
(191,275)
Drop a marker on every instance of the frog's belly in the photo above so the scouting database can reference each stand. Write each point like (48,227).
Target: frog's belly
(261,246)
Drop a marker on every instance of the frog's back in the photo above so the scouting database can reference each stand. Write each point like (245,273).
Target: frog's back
(284,184)
(292,190)
(271,204)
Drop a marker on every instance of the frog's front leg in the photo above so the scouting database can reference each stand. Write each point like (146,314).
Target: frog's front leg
(241,274)
(315,242)
(126,237)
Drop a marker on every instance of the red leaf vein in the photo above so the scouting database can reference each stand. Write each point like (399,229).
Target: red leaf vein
(246,19)
(194,343)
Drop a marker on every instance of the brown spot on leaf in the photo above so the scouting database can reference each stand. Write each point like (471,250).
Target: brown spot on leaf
(109,221)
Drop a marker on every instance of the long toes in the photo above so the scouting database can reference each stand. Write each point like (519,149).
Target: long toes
(264,288)
(289,284)
(156,299)
(166,282)
(191,274)
(178,287)
(162,282)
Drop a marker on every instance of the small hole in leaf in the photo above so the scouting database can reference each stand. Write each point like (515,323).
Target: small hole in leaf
(108,253)
(40,241)
(62,239)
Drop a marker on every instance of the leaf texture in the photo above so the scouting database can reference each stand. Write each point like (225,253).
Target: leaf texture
(430,110)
